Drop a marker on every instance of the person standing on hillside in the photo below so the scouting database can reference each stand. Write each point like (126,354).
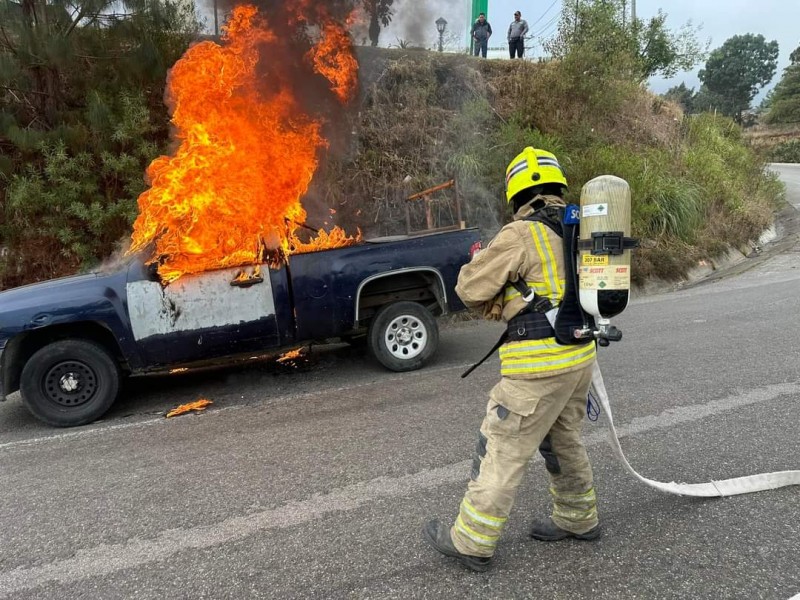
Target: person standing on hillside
(540,402)
(481,32)
(516,35)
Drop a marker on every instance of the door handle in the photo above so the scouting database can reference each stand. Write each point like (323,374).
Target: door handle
(245,281)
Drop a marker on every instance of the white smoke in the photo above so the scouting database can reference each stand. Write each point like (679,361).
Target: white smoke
(414,23)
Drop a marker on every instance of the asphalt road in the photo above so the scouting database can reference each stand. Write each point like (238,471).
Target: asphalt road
(790,174)
(315,481)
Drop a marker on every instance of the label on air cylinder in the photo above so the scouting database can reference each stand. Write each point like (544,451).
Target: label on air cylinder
(605,278)
(589,260)
(595,210)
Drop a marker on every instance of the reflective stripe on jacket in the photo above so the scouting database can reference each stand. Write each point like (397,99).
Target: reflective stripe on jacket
(533,252)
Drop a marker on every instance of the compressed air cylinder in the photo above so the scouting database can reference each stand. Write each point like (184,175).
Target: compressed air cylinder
(604,267)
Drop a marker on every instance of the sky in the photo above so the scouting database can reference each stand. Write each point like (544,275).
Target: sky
(720,19)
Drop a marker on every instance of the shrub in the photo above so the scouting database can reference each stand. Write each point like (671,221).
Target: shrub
(787,152)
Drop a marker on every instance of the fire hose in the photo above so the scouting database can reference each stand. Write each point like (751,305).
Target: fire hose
(711,489)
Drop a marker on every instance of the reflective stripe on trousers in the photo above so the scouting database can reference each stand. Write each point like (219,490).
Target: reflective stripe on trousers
(573,511)
(556,405)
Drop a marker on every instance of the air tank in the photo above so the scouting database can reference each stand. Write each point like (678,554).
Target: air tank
(605,260)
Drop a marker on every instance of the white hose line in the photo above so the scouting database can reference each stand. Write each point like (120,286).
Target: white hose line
(726,487)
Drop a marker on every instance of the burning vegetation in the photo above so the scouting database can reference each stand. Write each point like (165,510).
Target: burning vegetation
(248,141)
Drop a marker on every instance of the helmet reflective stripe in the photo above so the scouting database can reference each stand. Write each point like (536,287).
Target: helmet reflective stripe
(548,162)
(518,168)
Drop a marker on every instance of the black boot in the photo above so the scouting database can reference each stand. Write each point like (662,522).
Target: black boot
(438,536)
(547,531)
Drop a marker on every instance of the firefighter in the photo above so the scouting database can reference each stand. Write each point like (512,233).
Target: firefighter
(541,399)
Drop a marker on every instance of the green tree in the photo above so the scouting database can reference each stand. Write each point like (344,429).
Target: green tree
(380,15)
(601,33)
(81,116)
(682,95)
(784,105)
(794,57)
(736,71)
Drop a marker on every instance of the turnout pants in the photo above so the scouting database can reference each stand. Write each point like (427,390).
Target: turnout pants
(521,417)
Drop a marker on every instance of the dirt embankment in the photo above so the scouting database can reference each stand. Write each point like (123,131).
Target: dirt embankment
(766,137)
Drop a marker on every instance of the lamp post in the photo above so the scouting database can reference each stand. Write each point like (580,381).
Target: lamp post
(216,19)
(441,25)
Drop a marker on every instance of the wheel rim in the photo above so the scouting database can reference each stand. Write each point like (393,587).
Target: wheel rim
(70,383)
(406,337)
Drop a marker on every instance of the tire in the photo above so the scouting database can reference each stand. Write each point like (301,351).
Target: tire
(418,341)
(69,383)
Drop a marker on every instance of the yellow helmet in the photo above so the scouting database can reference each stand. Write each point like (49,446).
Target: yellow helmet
(530,168)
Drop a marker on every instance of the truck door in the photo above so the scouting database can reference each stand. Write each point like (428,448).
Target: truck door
(203,316)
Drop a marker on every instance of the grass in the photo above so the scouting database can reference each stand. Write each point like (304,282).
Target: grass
(787,152)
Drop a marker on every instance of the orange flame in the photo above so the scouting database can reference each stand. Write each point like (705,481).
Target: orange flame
(230,194)
(340,68)
(244,277)
(291,356)
(196,406)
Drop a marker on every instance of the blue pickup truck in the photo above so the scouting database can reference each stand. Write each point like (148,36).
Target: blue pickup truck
(67,344)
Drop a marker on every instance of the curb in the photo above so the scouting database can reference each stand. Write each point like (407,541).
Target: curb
(781,236)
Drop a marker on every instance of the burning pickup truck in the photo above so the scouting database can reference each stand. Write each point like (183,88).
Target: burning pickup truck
(66,344)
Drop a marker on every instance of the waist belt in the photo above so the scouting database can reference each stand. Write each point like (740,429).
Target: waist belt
(529,326)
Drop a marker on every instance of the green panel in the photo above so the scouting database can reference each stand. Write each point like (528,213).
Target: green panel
(478,7)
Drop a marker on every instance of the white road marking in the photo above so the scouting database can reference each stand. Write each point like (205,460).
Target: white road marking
(105,559)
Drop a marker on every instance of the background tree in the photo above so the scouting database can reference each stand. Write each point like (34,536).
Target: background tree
(794,57)
(81,116)
(784,105)
(682,95)
(736,71)
(380,15)
(601,32)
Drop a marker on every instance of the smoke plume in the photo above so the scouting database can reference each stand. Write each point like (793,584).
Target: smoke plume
(415,22)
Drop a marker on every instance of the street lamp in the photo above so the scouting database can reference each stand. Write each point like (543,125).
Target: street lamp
(441,25)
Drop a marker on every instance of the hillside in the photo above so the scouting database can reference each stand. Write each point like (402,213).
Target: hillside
(423,118)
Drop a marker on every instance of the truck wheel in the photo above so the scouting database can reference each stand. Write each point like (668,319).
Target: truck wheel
(69,383)
(403,336)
